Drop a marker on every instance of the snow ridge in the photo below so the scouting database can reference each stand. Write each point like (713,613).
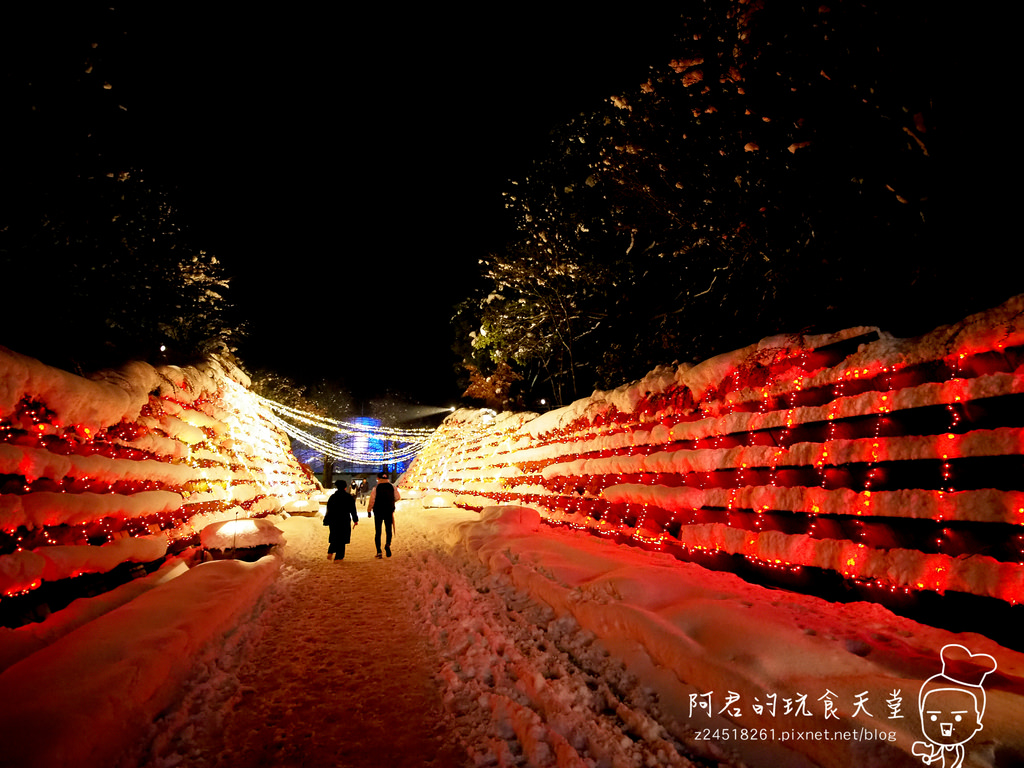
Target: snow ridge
(887,461)
(129,465)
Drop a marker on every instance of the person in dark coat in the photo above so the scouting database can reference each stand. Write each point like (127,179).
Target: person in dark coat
(340,507)
(382,508)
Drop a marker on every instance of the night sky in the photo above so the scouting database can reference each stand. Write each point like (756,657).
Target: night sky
(349,172)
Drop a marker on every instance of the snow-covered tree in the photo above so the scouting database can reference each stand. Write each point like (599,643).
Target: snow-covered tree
(99,265)
(106,271)
(785,170)
(498,391)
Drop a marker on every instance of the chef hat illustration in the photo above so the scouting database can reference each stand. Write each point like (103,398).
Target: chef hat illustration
(961,670)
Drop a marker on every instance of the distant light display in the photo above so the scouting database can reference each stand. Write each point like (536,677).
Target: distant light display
(365,441)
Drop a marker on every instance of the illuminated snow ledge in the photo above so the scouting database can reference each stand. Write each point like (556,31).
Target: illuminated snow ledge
(894,463)
(123,466)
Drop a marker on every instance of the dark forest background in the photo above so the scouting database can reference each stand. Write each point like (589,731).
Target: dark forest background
(783,168)
(796,167)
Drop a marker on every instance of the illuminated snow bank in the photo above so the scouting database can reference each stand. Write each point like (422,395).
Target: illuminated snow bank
(893,464)
(81,701)
(738,673)
(123,466)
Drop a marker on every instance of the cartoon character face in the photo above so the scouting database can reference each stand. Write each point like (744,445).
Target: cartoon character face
(949,716)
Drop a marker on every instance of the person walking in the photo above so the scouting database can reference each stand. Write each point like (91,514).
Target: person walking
(382,507)
(340,507)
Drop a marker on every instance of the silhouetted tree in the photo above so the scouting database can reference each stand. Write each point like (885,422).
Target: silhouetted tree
(785,171)
(98,263)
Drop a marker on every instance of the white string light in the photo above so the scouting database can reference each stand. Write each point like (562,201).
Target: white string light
(395,456)
(419,436)
(409,441)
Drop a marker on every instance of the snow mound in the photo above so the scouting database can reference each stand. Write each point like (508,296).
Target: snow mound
(241,534)
(117,673)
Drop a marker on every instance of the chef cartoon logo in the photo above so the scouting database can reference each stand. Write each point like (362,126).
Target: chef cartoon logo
(952,704)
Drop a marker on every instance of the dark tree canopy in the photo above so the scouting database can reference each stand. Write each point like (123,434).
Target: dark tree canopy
(100,271)
(98,264)
(787,171)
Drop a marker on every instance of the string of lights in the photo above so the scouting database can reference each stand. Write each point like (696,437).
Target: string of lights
(361,439)
(419,436)
(341,452)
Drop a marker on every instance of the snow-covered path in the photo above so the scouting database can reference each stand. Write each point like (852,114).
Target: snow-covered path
(489,640)
(423,659)
(525,686)
(332,672)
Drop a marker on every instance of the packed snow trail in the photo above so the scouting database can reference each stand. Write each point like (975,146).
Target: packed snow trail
(334,672)
(422,659)
(487,640)
(526,687)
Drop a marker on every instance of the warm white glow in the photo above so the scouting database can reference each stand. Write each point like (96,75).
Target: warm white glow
(238,528)
(406,442)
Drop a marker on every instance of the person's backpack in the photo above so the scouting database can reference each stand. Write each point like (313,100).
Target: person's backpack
(384,501)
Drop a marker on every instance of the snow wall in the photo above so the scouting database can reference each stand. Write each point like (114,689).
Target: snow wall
(129,465)
(882,464)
